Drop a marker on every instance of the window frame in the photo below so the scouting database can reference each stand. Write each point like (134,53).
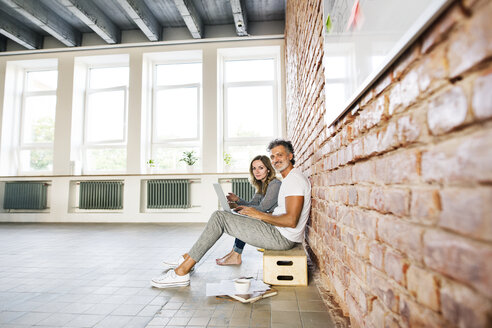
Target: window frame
(225,141)
(22,146)
(164,143)
(104,144)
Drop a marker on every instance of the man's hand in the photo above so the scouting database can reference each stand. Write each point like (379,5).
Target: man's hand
(249,211)
(293,206)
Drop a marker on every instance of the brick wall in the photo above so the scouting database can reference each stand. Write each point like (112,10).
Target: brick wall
(401,222)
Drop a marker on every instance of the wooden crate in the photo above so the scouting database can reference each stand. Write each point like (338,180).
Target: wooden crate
(288,268)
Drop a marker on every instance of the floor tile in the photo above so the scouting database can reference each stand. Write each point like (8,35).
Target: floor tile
(100,278)
(85,320)
(113,321)
(316,319)
(57,320)
(286,317)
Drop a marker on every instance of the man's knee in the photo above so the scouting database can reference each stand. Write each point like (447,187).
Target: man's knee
(216,216)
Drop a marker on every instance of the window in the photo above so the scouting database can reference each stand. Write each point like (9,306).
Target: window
(250,104)
(175,113)
(105,119)
(37,121)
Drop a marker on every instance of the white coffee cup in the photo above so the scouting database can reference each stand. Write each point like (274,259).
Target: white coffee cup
(242,285)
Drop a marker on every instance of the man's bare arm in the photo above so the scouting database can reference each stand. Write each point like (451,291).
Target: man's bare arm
(293,205)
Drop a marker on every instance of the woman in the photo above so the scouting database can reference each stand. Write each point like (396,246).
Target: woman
(265,200)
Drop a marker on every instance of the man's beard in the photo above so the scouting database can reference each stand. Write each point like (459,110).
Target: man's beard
(283,167)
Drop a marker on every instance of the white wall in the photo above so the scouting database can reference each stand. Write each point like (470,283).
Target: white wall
(203,198)
(62,200)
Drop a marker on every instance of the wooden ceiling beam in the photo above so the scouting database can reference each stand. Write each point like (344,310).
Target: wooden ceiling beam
(190,17)
(93,17)
(240,17)
(143,17)
(16,32)
(47,19)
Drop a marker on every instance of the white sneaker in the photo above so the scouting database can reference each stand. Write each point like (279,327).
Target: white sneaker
(172,264)
(170,279)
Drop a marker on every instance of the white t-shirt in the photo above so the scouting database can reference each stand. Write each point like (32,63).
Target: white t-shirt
(294,184)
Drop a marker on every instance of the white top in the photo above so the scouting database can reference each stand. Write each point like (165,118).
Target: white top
(294,184)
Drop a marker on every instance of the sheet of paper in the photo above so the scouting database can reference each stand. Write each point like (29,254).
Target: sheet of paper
(226,287)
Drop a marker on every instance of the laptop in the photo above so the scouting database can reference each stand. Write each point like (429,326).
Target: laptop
(223,200)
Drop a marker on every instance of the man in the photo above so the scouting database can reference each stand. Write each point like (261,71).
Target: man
(280,230)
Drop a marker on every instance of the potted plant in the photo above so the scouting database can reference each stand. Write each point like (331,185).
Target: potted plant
(150,166)
(227,161)
(189,157)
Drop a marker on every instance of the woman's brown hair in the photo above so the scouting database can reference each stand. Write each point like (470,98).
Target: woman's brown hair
(261,186)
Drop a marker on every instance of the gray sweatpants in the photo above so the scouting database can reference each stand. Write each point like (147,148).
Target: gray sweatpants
(252,231)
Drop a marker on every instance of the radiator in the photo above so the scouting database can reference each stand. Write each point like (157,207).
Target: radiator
(25,196)
(101,195)
(169,193)
(243,189)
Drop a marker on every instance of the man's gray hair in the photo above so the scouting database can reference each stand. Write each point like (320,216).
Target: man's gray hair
(287,145)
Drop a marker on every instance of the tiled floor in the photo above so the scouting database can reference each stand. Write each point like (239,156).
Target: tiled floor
(97,275)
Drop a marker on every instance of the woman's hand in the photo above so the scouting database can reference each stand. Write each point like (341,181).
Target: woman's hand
(231,197)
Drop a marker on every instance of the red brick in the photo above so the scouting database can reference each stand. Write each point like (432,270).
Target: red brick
(440,29)
(366,98)
(341,195)
(383,83)
(433,70)
(466,159)
(469,4)
(401,235)
(346,135)
(482,96)
(447,111)
(406,61)
(387,138)
(409,89)
(408,130)
(395,266)
(402,167)
(352,196)
(365,223)
(459,258)
(467,211)
(356,317)
(464,307)
(394,98)
(378,313)
(387,200)
(362,297)
(339,288)
(380,286)
(416,315)
(343,175)
(376,255)
(363,172)
(362,247)
(472,43)
(424,286)
(391,321)
(357,265)
(371,143)
(349,238)
(357,149)
(363,196)
(425,205)
(373,114)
